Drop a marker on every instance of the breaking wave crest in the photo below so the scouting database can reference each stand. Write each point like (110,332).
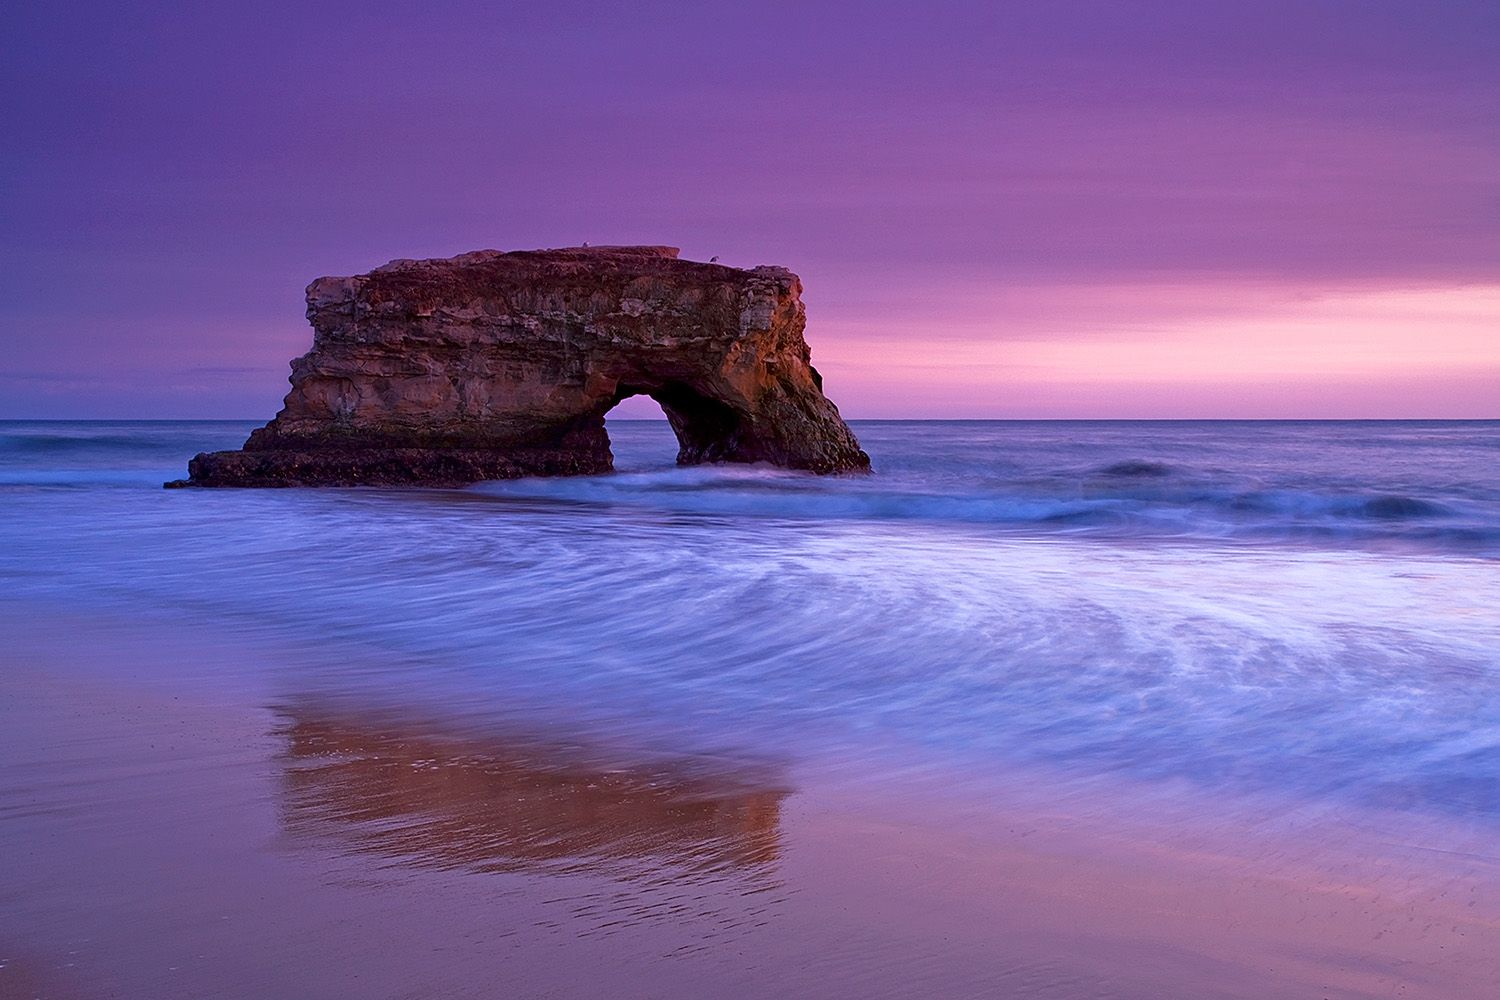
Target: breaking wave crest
(1131,498)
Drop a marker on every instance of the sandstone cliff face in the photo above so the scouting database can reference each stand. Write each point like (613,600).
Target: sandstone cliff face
(494,365)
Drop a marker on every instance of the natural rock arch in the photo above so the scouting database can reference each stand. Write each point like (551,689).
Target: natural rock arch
(706,429)
(494,365)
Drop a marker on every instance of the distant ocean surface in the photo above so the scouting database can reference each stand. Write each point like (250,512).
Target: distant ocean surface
(1307,611)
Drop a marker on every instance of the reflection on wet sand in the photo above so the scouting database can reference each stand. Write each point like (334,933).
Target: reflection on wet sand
(426,795)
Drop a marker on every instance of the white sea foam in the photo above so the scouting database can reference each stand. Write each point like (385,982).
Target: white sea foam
(1320,625)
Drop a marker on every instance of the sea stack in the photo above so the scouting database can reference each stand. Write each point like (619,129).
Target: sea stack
(492,365)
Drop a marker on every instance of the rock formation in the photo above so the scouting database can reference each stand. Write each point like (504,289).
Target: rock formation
(493,365)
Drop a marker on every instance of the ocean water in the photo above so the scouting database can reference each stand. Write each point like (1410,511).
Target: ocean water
(1304,613)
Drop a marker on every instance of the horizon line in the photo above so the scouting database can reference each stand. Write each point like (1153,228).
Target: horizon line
(863,420)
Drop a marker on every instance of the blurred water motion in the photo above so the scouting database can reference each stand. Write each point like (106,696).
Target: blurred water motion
(1301,609)
(1073,711)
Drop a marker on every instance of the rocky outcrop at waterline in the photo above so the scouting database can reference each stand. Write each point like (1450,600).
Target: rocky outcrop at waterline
(492,365)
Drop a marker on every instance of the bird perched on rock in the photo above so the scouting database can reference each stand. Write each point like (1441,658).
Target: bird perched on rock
(714,259)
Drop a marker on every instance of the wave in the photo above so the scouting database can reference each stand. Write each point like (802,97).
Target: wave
(1064,503)
(86,478)
(1421,484)
(1375,507)
(1136,469)
(54,444)
(79,454)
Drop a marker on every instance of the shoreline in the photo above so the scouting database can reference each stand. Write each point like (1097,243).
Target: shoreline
(860,888)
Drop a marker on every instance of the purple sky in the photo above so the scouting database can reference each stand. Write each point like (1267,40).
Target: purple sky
(998,209)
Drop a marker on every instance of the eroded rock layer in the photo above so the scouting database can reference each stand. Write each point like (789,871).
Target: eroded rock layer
(493,365)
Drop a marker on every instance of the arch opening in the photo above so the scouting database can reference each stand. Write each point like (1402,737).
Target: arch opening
(705,429)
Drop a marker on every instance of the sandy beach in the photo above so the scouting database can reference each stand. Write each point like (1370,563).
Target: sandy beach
(172,839)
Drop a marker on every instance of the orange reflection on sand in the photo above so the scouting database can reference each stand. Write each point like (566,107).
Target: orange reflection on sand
(412,791)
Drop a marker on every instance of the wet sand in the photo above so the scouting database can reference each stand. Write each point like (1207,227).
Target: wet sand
(164,838)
